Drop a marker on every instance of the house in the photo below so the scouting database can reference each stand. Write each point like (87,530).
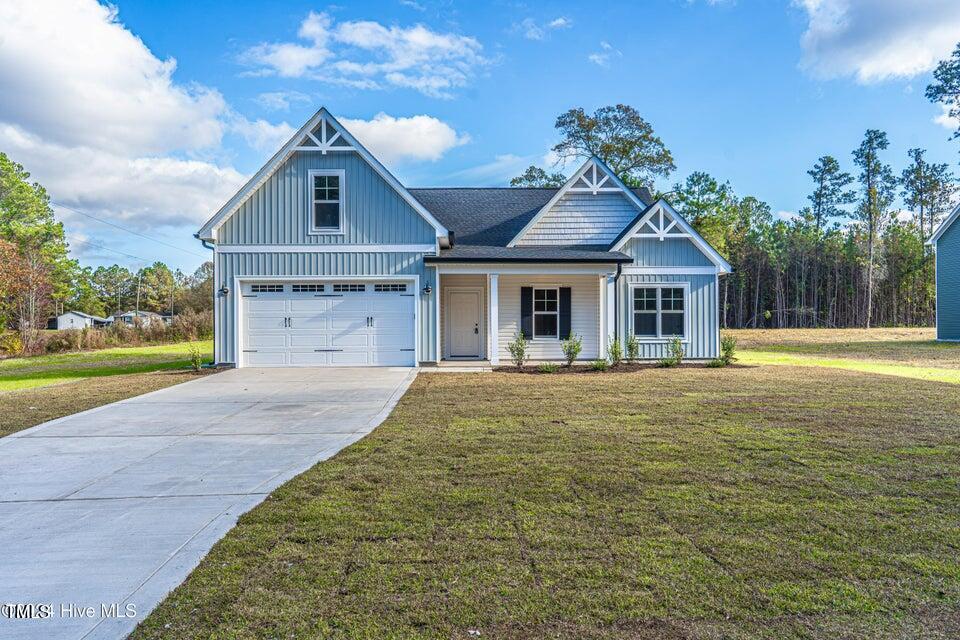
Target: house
(130,317)
(78,320)
(946,243)
(324,258)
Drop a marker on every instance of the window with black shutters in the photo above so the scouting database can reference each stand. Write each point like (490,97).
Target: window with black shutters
(546,313)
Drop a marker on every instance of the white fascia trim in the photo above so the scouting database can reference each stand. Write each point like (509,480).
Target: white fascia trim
(949,220)
(509,269)
(209,230)
(325,248)
(671,271)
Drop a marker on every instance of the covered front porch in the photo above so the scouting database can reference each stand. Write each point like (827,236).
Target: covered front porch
(481,309)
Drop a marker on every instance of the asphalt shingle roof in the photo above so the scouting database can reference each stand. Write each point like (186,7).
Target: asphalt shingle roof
(485,219)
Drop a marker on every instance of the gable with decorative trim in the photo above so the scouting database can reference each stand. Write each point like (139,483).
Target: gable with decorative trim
(592,208)
(324,138)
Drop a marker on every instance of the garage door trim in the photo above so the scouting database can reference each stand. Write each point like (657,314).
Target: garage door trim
(239,281)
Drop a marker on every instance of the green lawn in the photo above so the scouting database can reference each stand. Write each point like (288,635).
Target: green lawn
(39,371)
(907,353)
(747,502)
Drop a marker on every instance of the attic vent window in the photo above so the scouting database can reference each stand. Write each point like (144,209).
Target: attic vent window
(266,288)
(326,201)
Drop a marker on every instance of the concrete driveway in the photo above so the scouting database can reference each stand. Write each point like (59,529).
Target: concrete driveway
(115,506)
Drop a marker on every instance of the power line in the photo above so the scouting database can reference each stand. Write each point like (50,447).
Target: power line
(98,246)
(136,233)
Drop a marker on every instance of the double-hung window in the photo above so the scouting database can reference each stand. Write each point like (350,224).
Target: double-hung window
(546,313)
(326,201)
(659,311)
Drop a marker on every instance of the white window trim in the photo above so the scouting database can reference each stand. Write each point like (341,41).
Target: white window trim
(556,313)
(660,339)
(311,214)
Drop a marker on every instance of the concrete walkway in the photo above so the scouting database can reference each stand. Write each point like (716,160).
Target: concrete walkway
(115,506)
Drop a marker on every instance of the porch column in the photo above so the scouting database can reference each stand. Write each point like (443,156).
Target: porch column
(493,319)
(602,324)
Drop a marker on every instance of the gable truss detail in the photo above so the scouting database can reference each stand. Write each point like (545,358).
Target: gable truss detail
(320,139)
(660,225)
(593,180)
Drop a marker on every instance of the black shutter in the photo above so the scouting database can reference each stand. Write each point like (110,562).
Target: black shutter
(564,313)
(526,311)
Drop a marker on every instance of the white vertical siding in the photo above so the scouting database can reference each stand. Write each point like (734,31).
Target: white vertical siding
(582,218)
(703,314)
(278,212)
(584,314)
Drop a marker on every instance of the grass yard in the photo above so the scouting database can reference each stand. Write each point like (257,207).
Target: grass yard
(904,352)
(747,502)
(34,390)
(39,371)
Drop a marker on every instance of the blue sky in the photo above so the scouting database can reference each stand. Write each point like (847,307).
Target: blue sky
(150,115)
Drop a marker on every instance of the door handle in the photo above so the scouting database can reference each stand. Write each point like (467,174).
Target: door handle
(476,327)
(290,322)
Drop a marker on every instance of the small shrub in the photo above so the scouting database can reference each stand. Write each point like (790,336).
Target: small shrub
(548,367)
(572,347)
(11,344)
(518,349)
(674,354)
(716,363)
(728,350)
(599,365)
(615,351)
(63,341)
(196,357)
(633,347)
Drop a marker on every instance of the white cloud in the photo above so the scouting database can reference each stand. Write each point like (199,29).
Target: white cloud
(393,140)
(280,100)
(142,192)
(367,55)
(533,30)
(946,120)
(602,58)
(786,216)
(101,122)
(416,6)
(875,40)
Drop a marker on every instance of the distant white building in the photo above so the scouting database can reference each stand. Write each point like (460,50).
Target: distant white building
(79,320)
(129,317)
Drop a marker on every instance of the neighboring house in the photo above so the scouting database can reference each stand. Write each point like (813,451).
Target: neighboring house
(79,320)
(129,317)
(946,243)
(324,258)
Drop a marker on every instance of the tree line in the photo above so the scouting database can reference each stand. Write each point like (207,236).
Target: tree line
(849,258)
(38,278)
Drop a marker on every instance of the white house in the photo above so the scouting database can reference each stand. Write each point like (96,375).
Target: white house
(79,320)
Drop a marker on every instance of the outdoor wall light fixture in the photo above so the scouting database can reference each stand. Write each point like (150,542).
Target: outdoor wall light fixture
(224,290)
(427,290)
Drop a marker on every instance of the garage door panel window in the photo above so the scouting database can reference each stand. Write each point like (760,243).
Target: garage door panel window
(659,312)
(266,288)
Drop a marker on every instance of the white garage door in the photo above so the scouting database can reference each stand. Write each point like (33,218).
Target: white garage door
(315,324)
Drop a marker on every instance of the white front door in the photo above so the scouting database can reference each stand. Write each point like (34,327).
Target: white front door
(315,324)
(463,308)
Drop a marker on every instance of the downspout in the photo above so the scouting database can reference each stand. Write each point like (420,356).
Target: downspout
(207,245)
